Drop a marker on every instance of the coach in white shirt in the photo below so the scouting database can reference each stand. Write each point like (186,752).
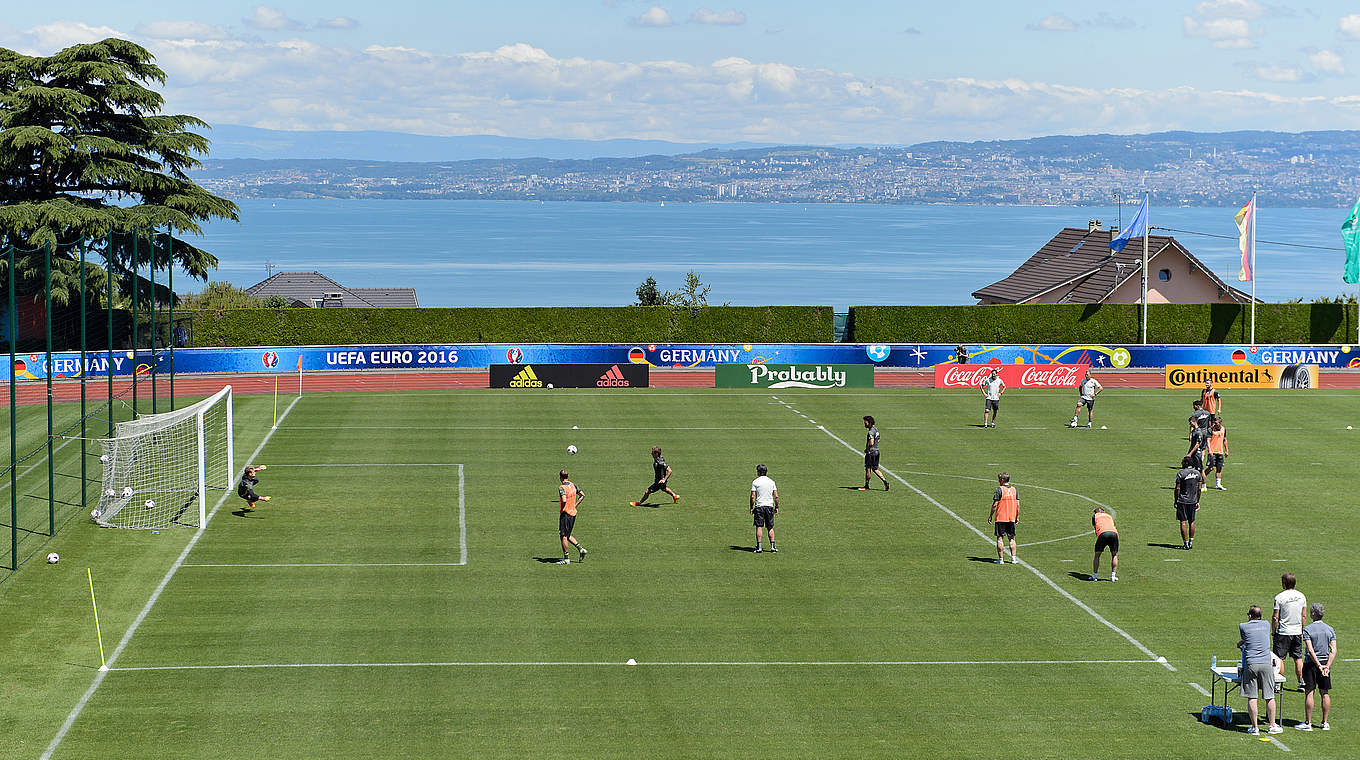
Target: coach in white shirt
(764,505)
(1287,624)
(992,388)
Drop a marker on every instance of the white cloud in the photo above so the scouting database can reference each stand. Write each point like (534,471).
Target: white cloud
(1327,62)
(729,17)
(1348,28)
(1055,22)
(653,16)
(525,91)
(1239,9)
(271,19)
(1223,32)
(171,30)
(339,22)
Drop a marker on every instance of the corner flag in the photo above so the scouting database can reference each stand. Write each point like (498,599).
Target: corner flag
(1137,228)
(1350,232)
(1246,239)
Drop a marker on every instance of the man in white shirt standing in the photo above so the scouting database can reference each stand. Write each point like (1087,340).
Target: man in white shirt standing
(1287,624)
(992,388)
(764,505)
(1088,390)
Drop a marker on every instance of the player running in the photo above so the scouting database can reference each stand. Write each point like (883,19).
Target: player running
(1106,536)
(1005,514)
(1189,483)
(1088,390)
(246,489)
(569,497)
(662,476)
(1218,452)
(871,454)
(992,388)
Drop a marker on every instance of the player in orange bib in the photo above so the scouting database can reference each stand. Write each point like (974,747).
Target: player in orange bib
(568,498)
(1213,403)
(1218,451)
(1106,536)
(1005,514)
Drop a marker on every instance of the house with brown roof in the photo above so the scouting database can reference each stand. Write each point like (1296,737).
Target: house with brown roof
(1077,266)
(313,289)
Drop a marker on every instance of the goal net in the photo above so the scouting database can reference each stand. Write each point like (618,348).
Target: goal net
(159,468)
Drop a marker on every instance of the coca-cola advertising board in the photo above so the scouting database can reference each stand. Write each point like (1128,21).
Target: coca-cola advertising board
(1013,375)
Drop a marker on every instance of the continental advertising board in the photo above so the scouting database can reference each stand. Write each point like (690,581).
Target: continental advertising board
(1013,375)
(1285,376)
(811,376)
(569,376)
(482,355)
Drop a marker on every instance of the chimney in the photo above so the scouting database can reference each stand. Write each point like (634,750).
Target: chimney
(1093,225)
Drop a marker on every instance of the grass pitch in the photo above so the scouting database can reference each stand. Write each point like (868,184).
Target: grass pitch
(399,598)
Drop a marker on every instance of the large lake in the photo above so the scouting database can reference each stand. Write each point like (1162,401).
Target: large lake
(525,253)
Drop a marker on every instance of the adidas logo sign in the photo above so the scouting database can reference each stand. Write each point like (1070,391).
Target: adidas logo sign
(613,378)
(526,379)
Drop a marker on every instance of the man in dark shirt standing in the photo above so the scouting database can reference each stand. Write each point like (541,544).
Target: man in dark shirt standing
(871,454)
(1257,674)
(1189,482)
(662,476)
(1199,433)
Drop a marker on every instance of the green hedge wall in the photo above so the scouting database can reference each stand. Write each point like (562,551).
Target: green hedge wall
(1104,323)
(622,324)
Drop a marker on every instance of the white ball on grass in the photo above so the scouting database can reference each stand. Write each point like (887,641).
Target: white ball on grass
(127,492)
(150,503)
(571,449)
(549,385)
(104,458)
(53,558)
(96,514)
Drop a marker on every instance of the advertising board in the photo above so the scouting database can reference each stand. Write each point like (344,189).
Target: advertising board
(816,376)
(1286,376)
(569,376)
(1013,375)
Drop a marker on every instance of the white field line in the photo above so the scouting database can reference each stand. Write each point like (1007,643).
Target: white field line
(1280,744)
(746,428)
(374,464)
(462,531)
(639,663)
(1200,689)
(151,602)
(1084,607)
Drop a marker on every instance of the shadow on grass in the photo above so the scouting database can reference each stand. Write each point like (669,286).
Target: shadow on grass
(991,560)
(645,505)
(1080,576)
(1177,547)
(548,560)
(747,549)
(243,512)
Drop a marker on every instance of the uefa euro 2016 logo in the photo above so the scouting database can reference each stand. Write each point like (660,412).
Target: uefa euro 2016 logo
(878,353)
(514,355)
(270,359)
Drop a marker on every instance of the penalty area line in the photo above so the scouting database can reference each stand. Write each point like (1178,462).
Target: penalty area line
(615,663)
(151,602)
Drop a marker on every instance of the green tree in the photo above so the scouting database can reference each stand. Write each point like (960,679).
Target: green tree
(693,294)
(648,294)
(86,154)
(221,295)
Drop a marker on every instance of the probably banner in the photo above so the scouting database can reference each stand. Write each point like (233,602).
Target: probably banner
(1286,376)
(569,376)
(816,376)
(1013,375)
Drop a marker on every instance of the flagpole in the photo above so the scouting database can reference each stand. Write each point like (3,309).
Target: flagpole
(1255,211)
(1147,230)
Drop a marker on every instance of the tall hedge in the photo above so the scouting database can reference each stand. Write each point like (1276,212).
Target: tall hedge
(623,324)
(1278,323)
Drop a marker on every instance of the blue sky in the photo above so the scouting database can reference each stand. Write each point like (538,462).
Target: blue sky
(867,72)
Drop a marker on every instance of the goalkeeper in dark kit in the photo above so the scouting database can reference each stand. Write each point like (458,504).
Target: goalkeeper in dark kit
(248,482)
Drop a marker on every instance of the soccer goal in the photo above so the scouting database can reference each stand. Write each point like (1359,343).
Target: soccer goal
(159,468)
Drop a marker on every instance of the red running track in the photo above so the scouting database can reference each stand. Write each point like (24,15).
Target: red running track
(35,392)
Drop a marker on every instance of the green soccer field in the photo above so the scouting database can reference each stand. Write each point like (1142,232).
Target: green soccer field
(399,597)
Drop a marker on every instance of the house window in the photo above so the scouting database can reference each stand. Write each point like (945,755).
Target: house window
(316,302)
(1164,275)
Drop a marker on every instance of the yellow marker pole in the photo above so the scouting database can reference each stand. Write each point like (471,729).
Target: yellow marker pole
(103,664)
(276,400)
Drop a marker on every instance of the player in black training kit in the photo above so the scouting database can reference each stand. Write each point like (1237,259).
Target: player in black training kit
(662,473)
(1199,434)
(1189,483)
(871,454)
(246,490)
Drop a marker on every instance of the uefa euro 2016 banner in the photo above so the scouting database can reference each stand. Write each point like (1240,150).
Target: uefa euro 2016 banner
(480,356)
(1013,375)
(1287,376)
(814,376)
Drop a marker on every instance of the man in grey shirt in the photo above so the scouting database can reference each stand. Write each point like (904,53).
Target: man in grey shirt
(1257,674)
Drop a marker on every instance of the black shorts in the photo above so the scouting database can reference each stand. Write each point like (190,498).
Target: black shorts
(1213,461)
(565,523)
(1109,539)
(1313,678)
(991,404)
(1285,645)
(1005,529)
(1197,460)
(657,486)
(764,517)
(871,460)
(1089,403)
(1186,512)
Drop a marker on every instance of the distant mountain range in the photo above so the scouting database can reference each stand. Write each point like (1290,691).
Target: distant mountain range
(231,141)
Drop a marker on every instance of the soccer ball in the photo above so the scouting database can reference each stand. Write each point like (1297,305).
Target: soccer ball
(550,385)
(109,493)
(53,558)
(96,514)
(104,458)
(127,492)
(571,449)
(149,504)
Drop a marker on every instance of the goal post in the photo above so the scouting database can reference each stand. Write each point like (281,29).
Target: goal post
(159,469)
